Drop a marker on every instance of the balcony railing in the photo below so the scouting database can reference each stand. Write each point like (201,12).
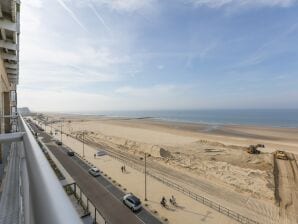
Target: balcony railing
(42,198)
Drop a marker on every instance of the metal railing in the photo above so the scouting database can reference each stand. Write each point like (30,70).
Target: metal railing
(86,203)
(47,201)
(73,188)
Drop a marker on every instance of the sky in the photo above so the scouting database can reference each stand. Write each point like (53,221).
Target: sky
(95,55)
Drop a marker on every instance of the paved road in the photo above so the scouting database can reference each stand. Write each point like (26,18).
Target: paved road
(105,196)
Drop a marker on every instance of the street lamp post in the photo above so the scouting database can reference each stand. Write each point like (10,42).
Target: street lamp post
(145,161)
(83,144)
(61,130)
(145,176)
(45,123)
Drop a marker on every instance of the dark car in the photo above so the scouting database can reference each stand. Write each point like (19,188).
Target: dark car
(58,142)
(132,202)
(70,152)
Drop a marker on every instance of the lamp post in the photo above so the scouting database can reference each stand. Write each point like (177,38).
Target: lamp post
(145,177)
(145,160)
(83,144)
(61,130)
(46,123)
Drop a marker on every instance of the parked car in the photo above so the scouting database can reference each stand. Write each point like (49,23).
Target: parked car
(101,153)
(132,202)
(94,172)
(58,142)
(70,152)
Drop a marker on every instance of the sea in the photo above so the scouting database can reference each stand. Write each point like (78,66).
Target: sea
(259,117)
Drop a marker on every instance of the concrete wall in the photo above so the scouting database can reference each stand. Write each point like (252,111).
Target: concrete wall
(4,103)
(7,126)
(4,95)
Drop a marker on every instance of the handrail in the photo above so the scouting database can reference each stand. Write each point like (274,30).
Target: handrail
(49,203)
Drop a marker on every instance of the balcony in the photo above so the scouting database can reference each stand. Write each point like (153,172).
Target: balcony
(31,191)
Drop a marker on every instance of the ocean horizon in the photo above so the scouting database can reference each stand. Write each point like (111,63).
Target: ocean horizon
(258,117)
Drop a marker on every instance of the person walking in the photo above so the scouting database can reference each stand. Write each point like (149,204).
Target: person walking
(163,201)
(173,200)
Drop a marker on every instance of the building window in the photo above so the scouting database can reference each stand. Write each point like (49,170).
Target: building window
(13,96)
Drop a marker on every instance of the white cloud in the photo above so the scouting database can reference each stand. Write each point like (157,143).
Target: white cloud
(52,60)
(100,18)
(243,3)
(64,79)
(155,97)
(269,48)
(50,100)
(150,98)
(33,3)
(79,55)
(65,68)
(145,91)
(72,14)
(30,16)
(126,5)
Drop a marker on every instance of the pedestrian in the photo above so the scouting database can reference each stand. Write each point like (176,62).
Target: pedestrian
(94,155)
(124,169)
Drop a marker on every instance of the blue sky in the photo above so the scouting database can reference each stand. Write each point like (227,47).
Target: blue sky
(90,55)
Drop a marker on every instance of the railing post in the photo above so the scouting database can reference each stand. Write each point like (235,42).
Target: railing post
(80,196)
(87,204)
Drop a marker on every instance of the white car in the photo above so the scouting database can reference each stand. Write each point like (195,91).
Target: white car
(132,202)
(94,172)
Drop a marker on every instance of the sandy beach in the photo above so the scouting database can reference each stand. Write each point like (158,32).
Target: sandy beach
(207,159)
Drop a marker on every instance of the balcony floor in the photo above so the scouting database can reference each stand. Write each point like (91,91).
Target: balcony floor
(10,199)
